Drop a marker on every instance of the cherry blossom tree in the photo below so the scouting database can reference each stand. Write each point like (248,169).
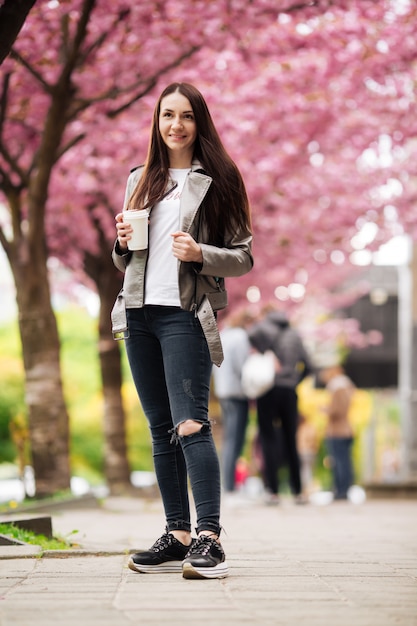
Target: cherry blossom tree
(77,62)
(47,94)
(322,127)
(329,119)
(322,146)
(314,100)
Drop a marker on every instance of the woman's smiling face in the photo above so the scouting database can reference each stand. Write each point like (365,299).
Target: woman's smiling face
(178,127)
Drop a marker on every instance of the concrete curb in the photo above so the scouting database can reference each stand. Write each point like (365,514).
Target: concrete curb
(19,552)
(32,551)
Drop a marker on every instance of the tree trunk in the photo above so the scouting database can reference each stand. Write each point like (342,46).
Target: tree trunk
(27,254)
(109,282)
(116,466)
(47,414)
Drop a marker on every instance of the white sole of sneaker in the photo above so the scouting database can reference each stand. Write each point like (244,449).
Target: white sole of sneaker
(191,571)
(170,567)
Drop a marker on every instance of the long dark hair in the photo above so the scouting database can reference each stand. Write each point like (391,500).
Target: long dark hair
(226,206)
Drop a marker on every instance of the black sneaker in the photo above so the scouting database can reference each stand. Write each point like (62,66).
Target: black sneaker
(165,556)
(205,559)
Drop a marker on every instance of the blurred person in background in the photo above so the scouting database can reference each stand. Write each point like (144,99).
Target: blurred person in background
(228,389)
(307,446)
(339,432)
(280,404)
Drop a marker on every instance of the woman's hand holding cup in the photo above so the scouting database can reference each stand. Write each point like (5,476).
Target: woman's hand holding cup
(123,231)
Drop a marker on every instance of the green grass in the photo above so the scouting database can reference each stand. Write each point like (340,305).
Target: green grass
(26,536)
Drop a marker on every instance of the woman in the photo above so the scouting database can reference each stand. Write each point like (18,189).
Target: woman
(199,232)
(339,431)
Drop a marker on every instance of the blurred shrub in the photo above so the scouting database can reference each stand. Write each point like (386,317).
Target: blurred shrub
(82,389)
(83,393)
(12,397)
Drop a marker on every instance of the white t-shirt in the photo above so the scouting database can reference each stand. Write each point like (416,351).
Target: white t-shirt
(161,283)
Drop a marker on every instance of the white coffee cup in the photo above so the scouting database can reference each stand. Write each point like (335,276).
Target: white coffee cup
(139,223)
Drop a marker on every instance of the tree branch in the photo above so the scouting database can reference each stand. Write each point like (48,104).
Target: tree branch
(69,145)
(3,101)
(95,45)
(13,14)
(12,193)
(15,55)
(74,51)
(24,179)
(300,6)
(55,123)
(152,82)
(4,242)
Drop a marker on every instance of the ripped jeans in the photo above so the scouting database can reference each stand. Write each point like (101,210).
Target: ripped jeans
(171,369)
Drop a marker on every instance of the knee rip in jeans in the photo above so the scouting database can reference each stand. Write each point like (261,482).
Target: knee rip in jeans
(189,428)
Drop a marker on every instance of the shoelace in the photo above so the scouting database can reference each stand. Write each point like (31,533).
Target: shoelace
(162,543)
(203,545)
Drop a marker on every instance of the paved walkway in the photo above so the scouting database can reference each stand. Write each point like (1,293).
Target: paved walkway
(338,565)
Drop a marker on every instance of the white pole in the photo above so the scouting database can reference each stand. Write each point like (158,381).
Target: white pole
(405,359)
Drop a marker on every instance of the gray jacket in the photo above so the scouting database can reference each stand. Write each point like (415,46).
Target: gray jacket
(275,333)
(201,285)
(228,379)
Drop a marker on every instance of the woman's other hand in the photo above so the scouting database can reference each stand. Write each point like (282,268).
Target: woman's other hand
(185,248)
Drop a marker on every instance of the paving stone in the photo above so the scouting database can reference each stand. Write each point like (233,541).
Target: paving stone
(291,566)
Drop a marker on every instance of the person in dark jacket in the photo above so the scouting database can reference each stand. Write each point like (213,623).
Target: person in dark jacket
(279,406)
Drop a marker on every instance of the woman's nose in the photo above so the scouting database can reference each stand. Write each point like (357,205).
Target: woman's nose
(177,122)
